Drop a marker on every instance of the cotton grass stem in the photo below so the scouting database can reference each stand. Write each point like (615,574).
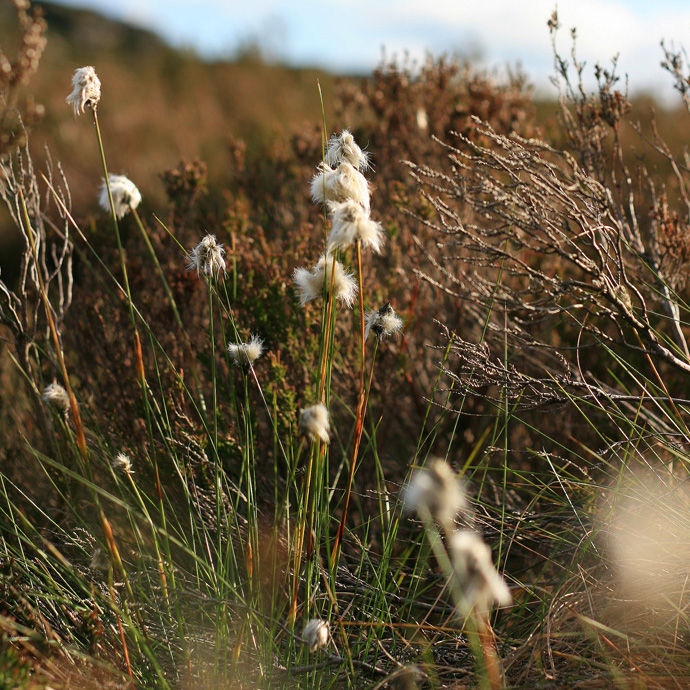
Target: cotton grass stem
(141,374)
(479,639)
(214,390)
(123,640)
(359,420)
(74,408)
(161,275)
(304,524)
(327,334)
(329,311)
(114,215)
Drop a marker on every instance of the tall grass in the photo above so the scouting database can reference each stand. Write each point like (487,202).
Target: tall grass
(553,387)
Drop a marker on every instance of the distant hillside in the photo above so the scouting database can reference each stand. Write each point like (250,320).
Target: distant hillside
(85,32)
(159,104)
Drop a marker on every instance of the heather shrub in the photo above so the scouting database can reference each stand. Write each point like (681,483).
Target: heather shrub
(451,451)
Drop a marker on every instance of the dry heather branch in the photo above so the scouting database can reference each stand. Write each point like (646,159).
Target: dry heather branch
(20,308)
(542,243)
(675,63)
(16,71)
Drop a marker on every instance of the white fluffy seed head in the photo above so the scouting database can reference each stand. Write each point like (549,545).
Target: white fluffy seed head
(479,582)
(316,634)
(342,147)
(245,354)
(86,90)
(344,183)
(55,395)
(435,490)
(313,284)
(382,322)
(314,423)
(126,196)
(207,258)
(350,223)
(123,463)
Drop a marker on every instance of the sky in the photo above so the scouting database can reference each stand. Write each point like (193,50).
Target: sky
(353,35)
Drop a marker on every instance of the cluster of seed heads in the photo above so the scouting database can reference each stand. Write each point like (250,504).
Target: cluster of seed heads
(435,493)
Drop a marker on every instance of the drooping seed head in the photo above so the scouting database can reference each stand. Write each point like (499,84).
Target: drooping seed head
(245,354)
(479,582)
(383,322)
(123,463)
(55,395)
(435,490)
(125,194)
(351,223)
(342,147)
(86,90)
(344,183)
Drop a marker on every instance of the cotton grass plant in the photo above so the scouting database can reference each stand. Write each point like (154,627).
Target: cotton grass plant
(218,534)
(228,530)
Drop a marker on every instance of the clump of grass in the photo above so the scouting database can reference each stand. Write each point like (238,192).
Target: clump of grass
(221,508)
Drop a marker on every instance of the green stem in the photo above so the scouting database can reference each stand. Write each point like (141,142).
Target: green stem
(359,421)
(116,226)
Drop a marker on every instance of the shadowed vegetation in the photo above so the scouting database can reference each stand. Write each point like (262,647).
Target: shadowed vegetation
(171,517)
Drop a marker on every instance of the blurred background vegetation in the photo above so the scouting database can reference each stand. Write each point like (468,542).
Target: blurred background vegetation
(163,105)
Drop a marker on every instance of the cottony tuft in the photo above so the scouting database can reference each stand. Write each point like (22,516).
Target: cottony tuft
(383,322)
(314,423)
(55,395)
(435,490)
(311,284)
(344,183)
(86,90)
(245,354)
(125,194)
(480,583)
(207,258)
(123,463)
(316,634)
(351,223)
(342,147)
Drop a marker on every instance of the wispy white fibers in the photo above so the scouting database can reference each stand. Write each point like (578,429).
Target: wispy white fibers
(245,354)
(382,322)
(316,634)
(436,490)
(342,147)
(55,395)
(344,183)
(125,195)
(123,463)
(312,283)
(207,258)
(351,223)
(480,583)
(314,423)
(86,90)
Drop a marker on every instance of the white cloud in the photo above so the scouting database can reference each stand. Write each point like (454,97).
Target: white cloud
(345,34)
(510,31)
